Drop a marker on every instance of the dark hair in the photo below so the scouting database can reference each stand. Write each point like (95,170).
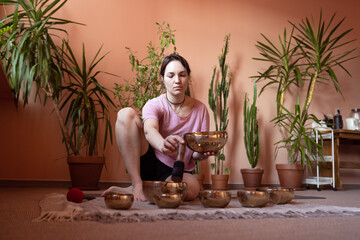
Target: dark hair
(174,57)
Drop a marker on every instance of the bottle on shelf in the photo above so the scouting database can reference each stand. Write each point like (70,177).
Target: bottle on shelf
(338,122)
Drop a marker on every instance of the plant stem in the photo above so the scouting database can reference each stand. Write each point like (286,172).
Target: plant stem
(312,88)
(68,142)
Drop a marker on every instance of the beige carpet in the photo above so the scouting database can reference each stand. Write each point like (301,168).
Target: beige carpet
(55,207)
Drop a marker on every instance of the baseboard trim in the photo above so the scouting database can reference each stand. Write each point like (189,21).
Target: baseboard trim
(104,185)
(52,184)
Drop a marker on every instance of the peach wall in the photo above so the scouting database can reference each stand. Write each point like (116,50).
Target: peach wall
(31,144)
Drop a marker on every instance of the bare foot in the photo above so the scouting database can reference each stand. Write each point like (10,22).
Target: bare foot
(138,193)
(115,189)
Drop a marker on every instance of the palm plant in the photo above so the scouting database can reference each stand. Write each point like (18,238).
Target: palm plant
(251,130)
(300,141)
(89,102)
(218,95)
(32,58)
(309,55)
(29,53)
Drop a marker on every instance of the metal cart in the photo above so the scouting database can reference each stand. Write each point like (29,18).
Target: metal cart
(327,134)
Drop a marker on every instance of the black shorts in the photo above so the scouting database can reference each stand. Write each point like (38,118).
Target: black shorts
(152,169)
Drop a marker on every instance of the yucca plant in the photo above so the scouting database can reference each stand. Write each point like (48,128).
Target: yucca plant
(251,130)
(300,144)
(31,58)
(311,54)
(29,53)
(218,95)
(87,100)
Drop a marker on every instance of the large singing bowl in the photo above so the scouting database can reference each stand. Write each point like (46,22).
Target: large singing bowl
(211,141)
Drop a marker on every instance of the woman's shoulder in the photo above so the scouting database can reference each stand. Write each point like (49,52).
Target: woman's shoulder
(153,105)
(155,101)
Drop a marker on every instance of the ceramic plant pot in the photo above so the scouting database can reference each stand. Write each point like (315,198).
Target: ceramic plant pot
(252,177)
(219,182)
(290,175)
(85,171)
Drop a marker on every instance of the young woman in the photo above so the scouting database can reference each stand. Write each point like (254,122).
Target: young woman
(149,147)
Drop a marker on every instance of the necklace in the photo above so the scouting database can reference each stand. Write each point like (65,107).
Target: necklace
(171,103)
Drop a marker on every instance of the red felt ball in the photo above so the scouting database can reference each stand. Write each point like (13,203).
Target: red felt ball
(75,195)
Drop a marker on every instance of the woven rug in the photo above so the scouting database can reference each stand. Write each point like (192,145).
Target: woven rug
(55,207)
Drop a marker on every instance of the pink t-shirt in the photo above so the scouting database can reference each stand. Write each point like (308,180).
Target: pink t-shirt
(172,124)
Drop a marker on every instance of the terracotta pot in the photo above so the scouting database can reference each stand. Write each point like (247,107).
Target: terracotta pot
(290,175)
(252,177)
(219,182)
(85,171)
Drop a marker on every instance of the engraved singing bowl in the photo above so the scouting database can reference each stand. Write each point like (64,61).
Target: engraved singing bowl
(279,195)
(152,188)
(253,198)
(119,200)
(215,199)
(201,142)
(168,200)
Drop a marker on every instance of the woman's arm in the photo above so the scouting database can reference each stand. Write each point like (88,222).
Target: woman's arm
(167,145)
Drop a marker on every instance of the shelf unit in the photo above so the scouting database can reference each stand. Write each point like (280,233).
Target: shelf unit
(327,134)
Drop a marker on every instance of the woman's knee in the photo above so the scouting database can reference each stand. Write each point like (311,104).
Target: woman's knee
(127,116)
(193,187)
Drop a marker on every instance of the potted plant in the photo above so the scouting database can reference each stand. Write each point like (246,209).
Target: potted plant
(31,58)
(88,104)
(218,95)
(306,57)
(251,176)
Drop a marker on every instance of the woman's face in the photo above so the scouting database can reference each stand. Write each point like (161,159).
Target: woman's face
(175,78)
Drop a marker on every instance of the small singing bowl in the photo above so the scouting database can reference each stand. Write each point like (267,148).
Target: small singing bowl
(211,141)
(168,200)
(175,187)
(279,195)
(215,199)
(152,188)
(253,198)
(119,200)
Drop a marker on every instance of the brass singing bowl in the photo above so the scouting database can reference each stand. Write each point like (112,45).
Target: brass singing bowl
(168,200)
(253,198)
(152,188)
(279,195)
(120,201)
(201,142)
(215,199)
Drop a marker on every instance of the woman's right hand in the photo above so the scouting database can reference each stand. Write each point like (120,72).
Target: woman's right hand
(170,144)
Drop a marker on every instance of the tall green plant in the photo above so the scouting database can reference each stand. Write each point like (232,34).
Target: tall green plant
(88,102)
(147,84)
(30,55)
(31,58)
(301,143)
(311,54)
(251,130)
(218,95)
